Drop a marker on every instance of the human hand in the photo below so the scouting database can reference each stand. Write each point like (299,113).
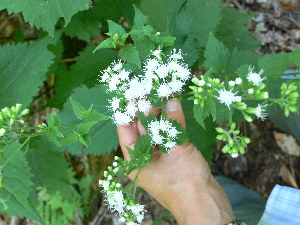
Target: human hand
(181,180)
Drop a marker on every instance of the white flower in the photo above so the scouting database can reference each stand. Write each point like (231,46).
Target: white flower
(255,77)
(250,91)
(164,90)
(157,139)
(157,52)
(162,71)
(138,211)
(131,109)
(201,82)
(234,155)
(238,80)
(117,66)
(105,184)
(151,65)
(231,83)
(144,105)
(115,103)
(228,97)
(115,200)
(176,86)
(172,132)
(112,84)
(176,55)
(170,145)
(121,118)
(132,223)
(260,112)
(105,76)
(124,75)
(2,131)
(164,125)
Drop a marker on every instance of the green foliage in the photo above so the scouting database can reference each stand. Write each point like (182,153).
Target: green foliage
(16,188)
(45,14)
(104,132)
(22,70)
(216,54)
(84,71)
(295,57)
(130,54)
(274,64)
(141,154)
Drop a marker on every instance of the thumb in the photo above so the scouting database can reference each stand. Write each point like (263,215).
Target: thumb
(174,111)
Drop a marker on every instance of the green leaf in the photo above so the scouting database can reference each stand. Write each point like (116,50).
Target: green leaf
(139,19)
(274,64)
(205,16)
(107,43)
(295,57)
(69,139)
(15,194)
(50,168)
(104,132)
(115,29)
(79,110)
(85,24)
(84,71)
(45,14)
(161,13)
(203,139)
(199,115)
(141,155)
(233,32)
(22,71)
(130,54)
(216,54)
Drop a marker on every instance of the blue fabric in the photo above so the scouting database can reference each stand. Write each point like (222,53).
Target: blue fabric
(283,207)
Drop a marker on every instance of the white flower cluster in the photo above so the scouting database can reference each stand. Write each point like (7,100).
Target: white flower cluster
(127,209)
(163,133)
(228,97)
(159,79)
(255,78)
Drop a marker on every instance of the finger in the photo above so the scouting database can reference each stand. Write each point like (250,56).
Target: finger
(174,111)
(128,135)
(140,127)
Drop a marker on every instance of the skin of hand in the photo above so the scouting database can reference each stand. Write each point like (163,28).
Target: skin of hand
(181,180)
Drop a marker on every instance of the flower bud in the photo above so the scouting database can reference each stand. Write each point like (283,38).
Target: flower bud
(18,108)
(238,80)
(220,130)
(250,91)
(240,105)
(195,80)
(248,118)
(222,137)
(24,112)
(225,149)
(232,126)
(197,101)
(2,132)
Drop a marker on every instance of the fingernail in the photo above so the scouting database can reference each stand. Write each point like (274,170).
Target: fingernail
(172,105)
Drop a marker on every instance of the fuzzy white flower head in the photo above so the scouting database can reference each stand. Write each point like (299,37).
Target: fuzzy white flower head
(164,90)
(255,78)
(228,97)
(238,80)
(115,200)
(151,65)
(138,211)
(144,105)
(260,112)
(157,52)
(124,75)
(117,66)
(131,109)
(176,86)
(234,155)
(231,83)
(105,184)
(170,145)
(176,55)
(105,76)
(115,103)
(121,118)
(131,223)
(112,84)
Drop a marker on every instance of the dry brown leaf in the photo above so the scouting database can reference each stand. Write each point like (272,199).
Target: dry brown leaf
(287,143)
(287,176)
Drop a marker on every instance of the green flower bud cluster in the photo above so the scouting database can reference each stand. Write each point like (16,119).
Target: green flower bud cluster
(205,88)
(10,116)
(117,197)
(235,144)
(289,96)
(257,92)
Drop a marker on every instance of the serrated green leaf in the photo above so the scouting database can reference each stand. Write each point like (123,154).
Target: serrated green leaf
(216,54)
(199,115)
(233,32)
(115,29)
(212,109)
(45,14)
(79,111)
(69,139)
(141,154)
(295,57)
(22,71)
(139,19)
(50,168)
(205,16)
(84,71)
(54,124)
(85,24)
(130,54)
(107,43)
(203,139)
(274,64)
(104,132)
(15,194)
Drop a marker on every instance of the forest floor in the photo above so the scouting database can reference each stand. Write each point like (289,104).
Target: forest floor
(277,25)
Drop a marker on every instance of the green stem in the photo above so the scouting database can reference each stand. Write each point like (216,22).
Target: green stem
(135,181)
(18,149)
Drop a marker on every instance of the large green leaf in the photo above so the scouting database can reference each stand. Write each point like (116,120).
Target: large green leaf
(17,185)
(84,71)
(45,14)
(203,139)
(205,16)
(232,30)
(22,70)
(274,64)
(50,168)
(216,54)
(104,138)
